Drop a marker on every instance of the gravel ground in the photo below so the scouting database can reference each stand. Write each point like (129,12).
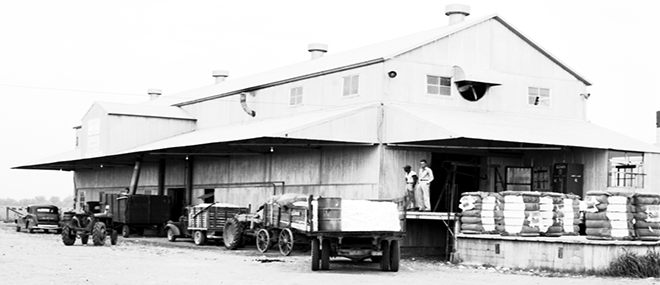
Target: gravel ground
(42,259)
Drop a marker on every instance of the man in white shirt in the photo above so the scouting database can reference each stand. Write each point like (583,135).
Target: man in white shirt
(411,182)
(425,179)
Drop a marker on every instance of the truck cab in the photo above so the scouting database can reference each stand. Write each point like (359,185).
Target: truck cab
(41,217)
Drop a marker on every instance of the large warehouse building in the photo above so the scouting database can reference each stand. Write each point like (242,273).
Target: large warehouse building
(488,108)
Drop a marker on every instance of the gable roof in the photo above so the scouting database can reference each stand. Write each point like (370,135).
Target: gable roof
(331,63)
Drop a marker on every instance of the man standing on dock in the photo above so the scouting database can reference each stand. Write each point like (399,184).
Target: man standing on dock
(411,182)
(425,179)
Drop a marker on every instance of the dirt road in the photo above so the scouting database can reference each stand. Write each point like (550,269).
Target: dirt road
(43,259)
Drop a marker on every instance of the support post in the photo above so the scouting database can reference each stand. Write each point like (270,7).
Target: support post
(136,176)
(189,179)
(161,177)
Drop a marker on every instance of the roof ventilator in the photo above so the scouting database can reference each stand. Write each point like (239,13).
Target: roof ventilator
(472,87)
(317,49)
(220,75)
(245,106)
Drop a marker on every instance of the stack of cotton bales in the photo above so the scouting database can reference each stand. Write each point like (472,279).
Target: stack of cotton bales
(571,209)
(478,212)
(609,216)
(552,214)
(647,216)
(520,211)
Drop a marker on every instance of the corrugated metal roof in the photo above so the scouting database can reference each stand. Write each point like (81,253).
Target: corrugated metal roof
(496,126)
(145,110)
(340,61)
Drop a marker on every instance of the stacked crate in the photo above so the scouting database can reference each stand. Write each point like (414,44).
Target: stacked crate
(609,216)
(520,211)
(647,216)
(552,214)
(571,209)
(478,212)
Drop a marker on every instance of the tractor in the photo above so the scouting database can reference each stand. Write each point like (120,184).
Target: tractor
(92,223)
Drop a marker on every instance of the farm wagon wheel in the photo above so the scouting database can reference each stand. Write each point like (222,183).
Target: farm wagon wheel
(125,231)
(84,238)
(395,255)
(263,240)
(113,237)
(232,234)
(170,234)
(199,237)
(325,254)
(67,237)
(18,228)
(316,254)
(285,241)
(99,233)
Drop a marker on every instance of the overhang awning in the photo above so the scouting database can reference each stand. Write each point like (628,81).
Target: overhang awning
(409,123)
(333,124)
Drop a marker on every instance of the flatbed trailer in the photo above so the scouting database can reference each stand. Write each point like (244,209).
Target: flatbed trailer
(319,227)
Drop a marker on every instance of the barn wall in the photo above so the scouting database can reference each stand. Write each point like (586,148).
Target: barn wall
(349,172)
(124,132)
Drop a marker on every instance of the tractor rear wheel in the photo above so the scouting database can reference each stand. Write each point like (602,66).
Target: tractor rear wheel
(84,238)
(67,237)
(113,237)
(232,235)
(29,227)
(18,228)
(99,233)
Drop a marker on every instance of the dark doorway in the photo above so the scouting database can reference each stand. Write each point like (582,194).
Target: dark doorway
(178,202)
(209,195)
(449,169)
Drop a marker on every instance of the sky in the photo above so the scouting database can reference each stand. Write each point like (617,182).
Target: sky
(58,57)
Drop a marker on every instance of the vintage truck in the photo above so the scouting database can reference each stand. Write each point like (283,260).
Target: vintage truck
(39,217)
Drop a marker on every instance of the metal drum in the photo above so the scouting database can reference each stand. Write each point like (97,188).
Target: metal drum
(329,214)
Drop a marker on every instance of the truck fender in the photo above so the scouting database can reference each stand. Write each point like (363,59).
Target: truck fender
(174,228)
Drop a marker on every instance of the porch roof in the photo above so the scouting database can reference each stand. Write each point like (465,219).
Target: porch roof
(436,123)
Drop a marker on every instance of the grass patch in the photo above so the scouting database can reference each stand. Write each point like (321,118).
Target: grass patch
(630,264)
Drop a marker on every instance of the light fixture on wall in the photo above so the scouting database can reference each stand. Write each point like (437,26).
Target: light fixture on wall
(585,95)
(271,149)
(392,74)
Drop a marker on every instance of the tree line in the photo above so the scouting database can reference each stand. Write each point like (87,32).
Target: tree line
(65,202)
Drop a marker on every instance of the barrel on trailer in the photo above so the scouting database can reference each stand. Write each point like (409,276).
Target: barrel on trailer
(329,214)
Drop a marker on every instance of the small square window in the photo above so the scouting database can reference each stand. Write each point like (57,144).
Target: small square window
(538,96)
(438,85)
(351,85)
(296,96)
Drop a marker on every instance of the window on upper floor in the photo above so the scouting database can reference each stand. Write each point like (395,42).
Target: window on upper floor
(537,96)
(626,169)
(296,96)
(351,85)
(438,85)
